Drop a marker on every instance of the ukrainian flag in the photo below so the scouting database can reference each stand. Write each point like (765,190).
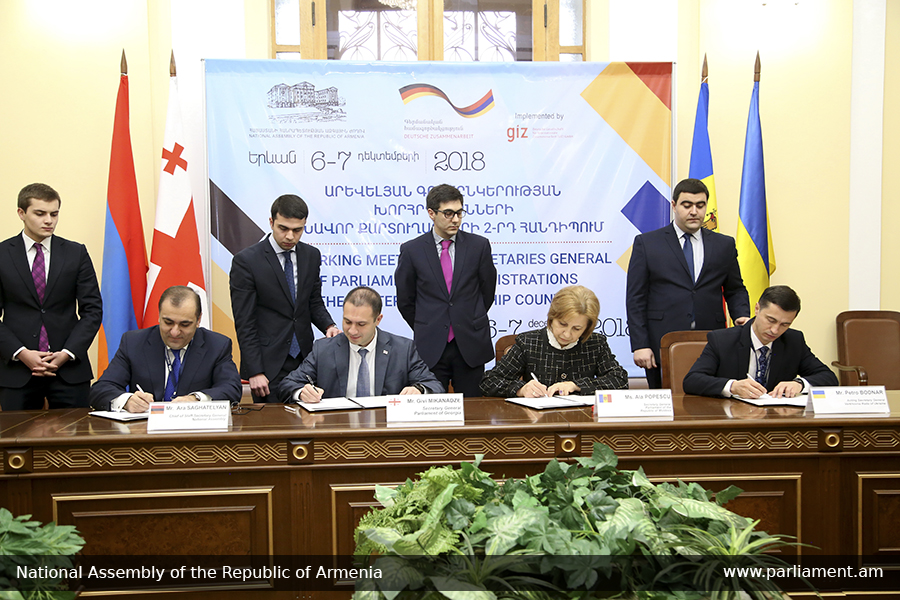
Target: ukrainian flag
(756,254)
(701,155)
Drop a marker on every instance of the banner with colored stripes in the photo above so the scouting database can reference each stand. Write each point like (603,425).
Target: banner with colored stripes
(561,165)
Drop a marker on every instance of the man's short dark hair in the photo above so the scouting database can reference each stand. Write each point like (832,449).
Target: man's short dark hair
(37,191)
(364,296)
(781,296)
(440,194)
(289,206)
(177,294)
(690,186)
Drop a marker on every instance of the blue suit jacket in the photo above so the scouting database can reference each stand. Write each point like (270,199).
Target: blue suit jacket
(141,360)
(71,312)
(727,355)
(428,308)
(264,316)
(660,295)
(397,365)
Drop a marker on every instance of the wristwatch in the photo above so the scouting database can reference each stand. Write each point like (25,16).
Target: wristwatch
(197,396)
(422,389)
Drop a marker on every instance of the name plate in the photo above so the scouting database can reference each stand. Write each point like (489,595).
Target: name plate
(655,404)
(866,399)
(189,416)
(425,408)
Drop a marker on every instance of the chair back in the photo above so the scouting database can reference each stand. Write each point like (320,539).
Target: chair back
(678,351)
(869,344)
(503,345)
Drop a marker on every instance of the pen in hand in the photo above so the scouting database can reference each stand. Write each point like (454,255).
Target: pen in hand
(534,377)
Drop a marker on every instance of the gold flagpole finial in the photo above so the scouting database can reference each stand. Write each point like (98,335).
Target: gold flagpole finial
(756,68)
(704,74)
(123,65)
(172,64)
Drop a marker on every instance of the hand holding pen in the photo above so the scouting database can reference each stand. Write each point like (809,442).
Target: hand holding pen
(310,393)
(533,389)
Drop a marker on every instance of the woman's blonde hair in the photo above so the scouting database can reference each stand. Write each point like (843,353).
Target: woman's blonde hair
(575,299)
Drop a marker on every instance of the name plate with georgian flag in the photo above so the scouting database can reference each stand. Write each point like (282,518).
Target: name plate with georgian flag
(425,408)
(866,399)
(640,404)
(189,416)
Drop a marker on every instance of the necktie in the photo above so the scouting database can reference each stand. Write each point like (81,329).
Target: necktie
(362,377)
(289,276)
(40,284)
(447,268)
(689,255)
(174,372)
(762,365)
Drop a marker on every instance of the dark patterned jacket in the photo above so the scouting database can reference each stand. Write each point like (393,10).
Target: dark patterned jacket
(590,365)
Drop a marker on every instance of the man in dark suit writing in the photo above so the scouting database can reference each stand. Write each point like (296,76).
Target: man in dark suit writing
(763,356)
(365,361)
(677,277)
(276,296)
(51,309)
(174,361)
(445,285)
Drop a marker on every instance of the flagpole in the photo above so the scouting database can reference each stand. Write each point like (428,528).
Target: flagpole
(123,281)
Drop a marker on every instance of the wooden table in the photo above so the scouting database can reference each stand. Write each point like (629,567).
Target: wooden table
(282,484)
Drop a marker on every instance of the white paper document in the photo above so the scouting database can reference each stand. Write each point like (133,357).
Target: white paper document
(120,416)
(330,404)
(767,400)
(553,402)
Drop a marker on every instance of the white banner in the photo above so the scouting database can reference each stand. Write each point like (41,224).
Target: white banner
(560,164)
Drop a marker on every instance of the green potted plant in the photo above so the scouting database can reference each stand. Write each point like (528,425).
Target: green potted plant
(33,555)
(578,530)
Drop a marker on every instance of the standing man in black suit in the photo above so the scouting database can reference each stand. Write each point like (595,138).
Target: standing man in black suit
(763,356)
(276,296)
(51,309)
(445,285)
(175,361)
(677,277)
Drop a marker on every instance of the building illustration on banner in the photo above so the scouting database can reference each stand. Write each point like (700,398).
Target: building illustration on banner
(305,103)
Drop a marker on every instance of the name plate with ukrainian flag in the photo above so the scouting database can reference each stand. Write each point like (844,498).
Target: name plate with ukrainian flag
(866,399)
(425,408)
(640,404)
(189,416)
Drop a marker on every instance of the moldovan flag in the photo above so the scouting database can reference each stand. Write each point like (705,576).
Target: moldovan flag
(175,256)
(756,254)
(701,155)
(124,276)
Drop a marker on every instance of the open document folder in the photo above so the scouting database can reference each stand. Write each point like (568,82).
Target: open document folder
(346,403)
(554,401)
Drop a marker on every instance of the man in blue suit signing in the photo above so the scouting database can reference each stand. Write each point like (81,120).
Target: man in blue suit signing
(365,361)
(677,277)
(174,361)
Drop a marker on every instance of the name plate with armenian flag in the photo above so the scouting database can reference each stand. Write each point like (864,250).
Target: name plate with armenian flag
(189,416)
(641,404)
(866,399)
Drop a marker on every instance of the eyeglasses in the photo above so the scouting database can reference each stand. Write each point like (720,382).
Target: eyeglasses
(449,214)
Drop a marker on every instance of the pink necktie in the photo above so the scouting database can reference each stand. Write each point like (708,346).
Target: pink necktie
(447,268)
(40,284)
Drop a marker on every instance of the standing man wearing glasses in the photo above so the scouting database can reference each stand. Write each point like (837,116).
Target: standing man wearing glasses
(445,285)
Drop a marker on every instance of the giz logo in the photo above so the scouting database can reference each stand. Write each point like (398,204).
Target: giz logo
(514,133)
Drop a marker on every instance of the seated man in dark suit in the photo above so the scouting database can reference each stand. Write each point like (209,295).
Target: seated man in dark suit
(762,356)
(174,361)
(365,361)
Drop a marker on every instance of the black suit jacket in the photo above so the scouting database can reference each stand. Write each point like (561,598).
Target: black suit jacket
(264,317)
(660,295)
(727,355)
(141,361)
(71,312)
(397,365)
(425,304)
